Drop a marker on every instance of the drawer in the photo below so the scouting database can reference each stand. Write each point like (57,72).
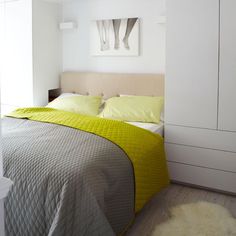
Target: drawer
(214,179)
(214,159)
(205,138)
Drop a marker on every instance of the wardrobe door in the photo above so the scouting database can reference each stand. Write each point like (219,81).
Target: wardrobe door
(192,63)
(227,82)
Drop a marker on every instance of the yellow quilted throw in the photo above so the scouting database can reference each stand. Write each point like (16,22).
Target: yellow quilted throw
(145,149)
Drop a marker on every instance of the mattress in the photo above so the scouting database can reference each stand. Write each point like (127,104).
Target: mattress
(155,128)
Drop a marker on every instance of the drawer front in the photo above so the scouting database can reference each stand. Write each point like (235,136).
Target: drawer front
(214,159)
(215,179)
(205,138)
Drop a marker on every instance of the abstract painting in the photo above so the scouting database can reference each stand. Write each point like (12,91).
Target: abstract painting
(115,37)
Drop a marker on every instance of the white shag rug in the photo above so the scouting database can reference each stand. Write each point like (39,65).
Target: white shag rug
(198,219)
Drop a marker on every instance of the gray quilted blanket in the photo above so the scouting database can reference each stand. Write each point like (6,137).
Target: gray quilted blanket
(66,182)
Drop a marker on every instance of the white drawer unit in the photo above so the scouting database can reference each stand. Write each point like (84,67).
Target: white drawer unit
(200,110)
(209,178)
(206,138)
(201,157)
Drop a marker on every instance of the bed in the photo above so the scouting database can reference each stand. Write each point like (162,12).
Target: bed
(79,175)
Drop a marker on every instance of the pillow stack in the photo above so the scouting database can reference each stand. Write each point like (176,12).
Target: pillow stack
(125,108)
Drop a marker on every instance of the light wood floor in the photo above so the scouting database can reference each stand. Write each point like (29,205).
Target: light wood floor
(157,210)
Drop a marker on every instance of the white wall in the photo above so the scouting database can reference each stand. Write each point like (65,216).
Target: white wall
(47,49)
(76,53)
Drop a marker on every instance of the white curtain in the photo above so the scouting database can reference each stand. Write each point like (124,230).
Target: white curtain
(16,36)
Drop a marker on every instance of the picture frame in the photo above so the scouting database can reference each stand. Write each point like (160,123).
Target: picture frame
(115,37)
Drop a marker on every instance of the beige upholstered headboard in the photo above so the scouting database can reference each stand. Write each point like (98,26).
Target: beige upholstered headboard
(112,84)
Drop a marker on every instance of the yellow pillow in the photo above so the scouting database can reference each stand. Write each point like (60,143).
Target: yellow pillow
(134,108)
(86,105)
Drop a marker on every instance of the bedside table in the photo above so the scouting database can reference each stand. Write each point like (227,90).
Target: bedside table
(53,94)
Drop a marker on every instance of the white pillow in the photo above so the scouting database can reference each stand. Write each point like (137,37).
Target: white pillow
(162,117)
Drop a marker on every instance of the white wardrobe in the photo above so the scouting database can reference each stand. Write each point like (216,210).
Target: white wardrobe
(200,132)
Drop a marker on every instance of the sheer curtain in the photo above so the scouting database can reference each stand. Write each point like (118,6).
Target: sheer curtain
(2,29)
(2,40)
(4,183)
(16,54)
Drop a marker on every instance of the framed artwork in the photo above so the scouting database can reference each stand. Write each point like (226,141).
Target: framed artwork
(115,37)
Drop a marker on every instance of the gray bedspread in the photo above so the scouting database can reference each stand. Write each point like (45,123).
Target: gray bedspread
(66,182)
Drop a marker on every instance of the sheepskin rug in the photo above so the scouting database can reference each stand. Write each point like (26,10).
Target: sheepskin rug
(198,219)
